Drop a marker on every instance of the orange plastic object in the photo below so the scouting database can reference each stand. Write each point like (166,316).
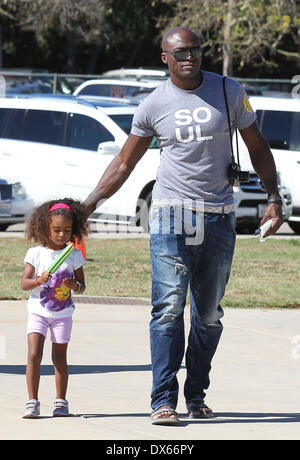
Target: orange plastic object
(81,246)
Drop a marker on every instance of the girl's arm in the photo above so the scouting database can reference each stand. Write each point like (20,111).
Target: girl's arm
(29,281)
(77,283)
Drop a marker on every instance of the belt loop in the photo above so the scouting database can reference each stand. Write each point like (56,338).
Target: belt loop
(223,212)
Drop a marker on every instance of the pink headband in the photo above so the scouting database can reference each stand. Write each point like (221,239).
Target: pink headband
(59,206)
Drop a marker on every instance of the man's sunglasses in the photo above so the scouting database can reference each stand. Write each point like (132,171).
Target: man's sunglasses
(181,55)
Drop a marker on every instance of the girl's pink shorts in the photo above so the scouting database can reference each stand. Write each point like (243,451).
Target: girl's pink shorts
(60,328)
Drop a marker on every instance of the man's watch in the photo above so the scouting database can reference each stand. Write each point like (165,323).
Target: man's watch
(79,287)
(274,198)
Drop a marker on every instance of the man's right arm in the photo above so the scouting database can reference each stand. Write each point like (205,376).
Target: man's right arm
(118,170)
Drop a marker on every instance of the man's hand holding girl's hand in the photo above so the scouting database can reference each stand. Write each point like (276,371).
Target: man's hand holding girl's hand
(71,283)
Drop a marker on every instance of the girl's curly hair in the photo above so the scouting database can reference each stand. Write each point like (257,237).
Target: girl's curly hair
(37,227)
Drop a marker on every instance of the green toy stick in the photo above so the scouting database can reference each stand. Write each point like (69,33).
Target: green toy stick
(61,258)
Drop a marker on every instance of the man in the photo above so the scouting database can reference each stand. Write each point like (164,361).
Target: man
(187,114)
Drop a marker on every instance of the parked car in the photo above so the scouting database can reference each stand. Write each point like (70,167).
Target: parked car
(116,88)
(279,122)
(30,81)
(59,146)
(37,87)
(138,73)
(15,204)
(251,201)
(251,90)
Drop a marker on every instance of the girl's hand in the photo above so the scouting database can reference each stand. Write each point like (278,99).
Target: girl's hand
(44,277)
(30,281)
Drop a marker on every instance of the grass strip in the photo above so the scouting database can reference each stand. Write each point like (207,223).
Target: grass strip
(263,275)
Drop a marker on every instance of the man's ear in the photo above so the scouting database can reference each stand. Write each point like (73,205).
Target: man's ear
(164,58)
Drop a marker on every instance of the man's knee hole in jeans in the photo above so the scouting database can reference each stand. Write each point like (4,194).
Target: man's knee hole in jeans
(172,312)
(180,267)
(168,318)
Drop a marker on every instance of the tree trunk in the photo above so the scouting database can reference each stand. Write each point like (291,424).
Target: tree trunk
(71,52)
(92,63)
(227,55)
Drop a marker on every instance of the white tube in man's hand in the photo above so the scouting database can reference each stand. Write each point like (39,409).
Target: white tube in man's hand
(263,229)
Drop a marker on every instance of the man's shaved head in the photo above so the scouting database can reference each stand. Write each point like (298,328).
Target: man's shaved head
(173,35)
(184,67)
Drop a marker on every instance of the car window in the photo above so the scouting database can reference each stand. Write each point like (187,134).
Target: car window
(86,132)
(154,144)
(44,126)
(4,116)
(11,121)
(124,121)
(258,117)
(280,128)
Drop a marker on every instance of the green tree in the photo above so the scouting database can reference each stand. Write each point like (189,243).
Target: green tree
(87,35)
(135,37)
(6,15)
(241,32)
(76,22)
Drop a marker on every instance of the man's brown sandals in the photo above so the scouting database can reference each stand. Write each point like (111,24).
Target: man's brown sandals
(164,415)
(200,411)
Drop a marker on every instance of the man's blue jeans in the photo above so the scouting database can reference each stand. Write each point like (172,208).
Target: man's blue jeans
(176,266)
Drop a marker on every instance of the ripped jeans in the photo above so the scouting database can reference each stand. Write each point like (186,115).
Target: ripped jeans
(176,266)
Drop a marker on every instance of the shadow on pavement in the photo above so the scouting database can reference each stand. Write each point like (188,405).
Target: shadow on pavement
(77,369)
(221,417)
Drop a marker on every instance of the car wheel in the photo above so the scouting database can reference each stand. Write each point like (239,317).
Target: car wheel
(295,226)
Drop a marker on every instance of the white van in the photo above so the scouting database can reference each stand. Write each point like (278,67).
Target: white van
(139,73)
(59,146)
(279,121)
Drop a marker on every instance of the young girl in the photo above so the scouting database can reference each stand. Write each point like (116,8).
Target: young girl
(50,305)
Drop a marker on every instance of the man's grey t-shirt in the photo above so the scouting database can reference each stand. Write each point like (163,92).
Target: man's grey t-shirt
(191,127)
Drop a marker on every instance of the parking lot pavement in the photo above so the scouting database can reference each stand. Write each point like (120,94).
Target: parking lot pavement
(254,380)
(112,231)
(103,231)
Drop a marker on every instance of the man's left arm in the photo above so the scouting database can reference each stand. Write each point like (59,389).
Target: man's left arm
(264,165)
